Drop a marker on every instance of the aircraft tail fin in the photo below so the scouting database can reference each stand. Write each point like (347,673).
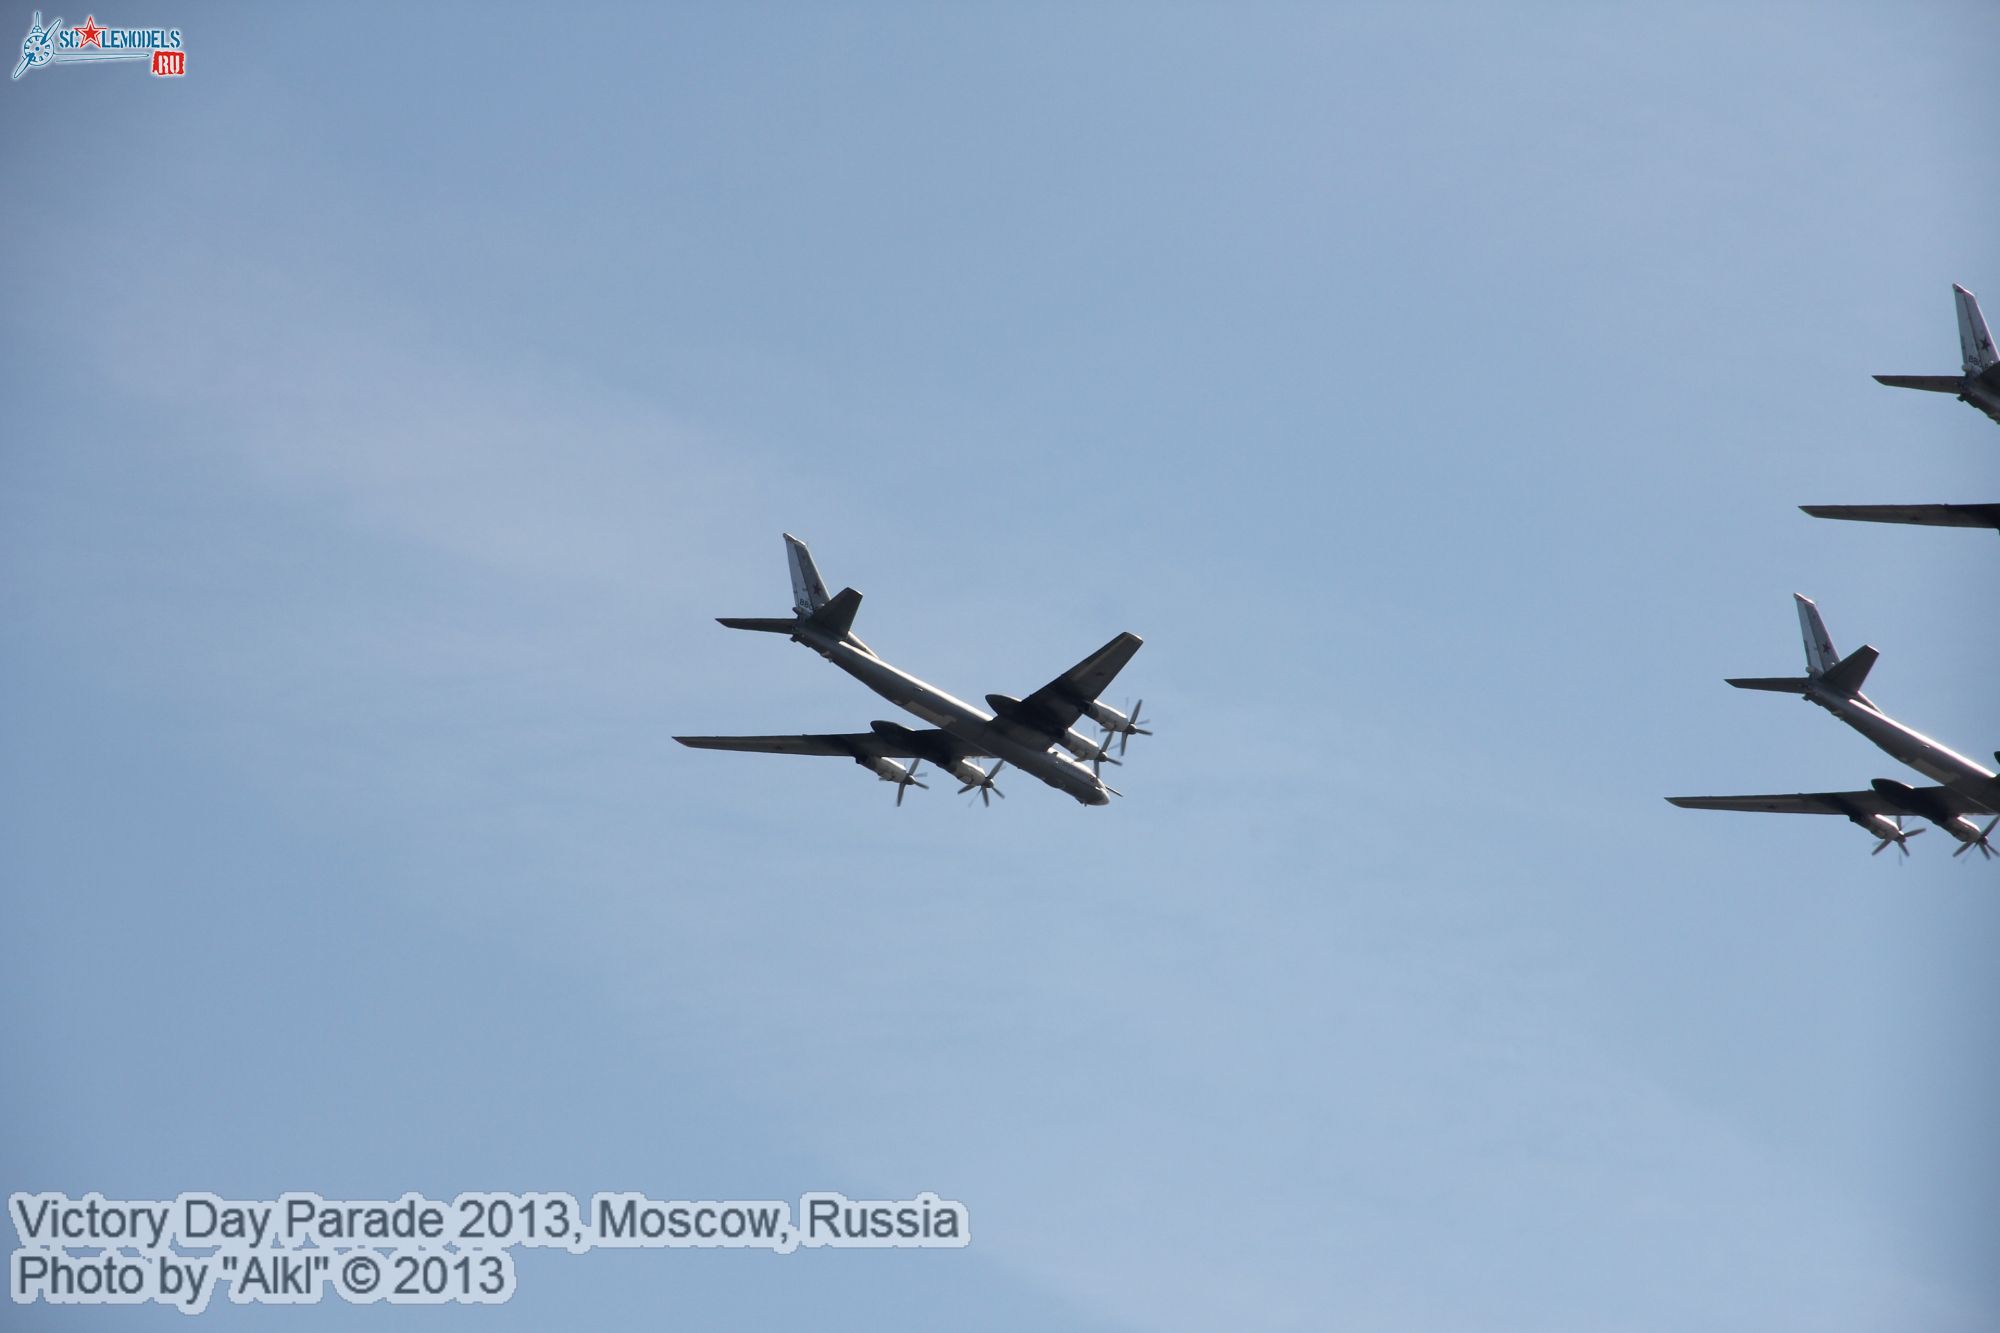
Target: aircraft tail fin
(1820,656)
(1823,664)
(1843,673)
(1973,339)
(768,624)
(808,593)
(836,614)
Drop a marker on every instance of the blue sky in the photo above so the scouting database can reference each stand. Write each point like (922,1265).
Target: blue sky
(396,398)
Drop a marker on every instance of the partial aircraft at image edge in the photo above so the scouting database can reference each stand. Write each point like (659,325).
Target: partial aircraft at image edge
(1023,732)
(1979,382)
(1929,516)
(1979,385)
(1834,683)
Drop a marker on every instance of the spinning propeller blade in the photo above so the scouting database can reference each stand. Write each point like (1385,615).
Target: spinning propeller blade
(987,791)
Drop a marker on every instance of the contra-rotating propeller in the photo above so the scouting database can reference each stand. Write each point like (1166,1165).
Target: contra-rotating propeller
(1901,838)
(1130,727)
(984,786)
(1985,847)
(906,780)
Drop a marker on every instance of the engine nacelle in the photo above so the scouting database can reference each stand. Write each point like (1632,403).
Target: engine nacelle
(1107,717)
(889,770)
(1880,826)
(885,768)
(1083,747)
(968,773)
(1962,828)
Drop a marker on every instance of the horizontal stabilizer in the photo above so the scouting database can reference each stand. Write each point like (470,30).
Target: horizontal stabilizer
(1847,674)
(1928,383)
(768,624)
(837,616)
(1781,684)
(1930,516)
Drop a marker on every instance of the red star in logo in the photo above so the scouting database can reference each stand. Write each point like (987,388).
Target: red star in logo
(88,32)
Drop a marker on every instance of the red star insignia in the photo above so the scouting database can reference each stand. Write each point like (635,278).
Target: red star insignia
(88,32)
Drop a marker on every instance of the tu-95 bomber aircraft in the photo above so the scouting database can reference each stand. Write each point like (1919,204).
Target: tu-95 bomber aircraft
(1966,791)
(1027,733)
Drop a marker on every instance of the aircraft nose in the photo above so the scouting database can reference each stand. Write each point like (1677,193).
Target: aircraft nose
(1097,796)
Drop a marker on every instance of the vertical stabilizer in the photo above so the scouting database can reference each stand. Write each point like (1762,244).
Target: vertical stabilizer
(1820,657)
(1973,339)
(808,593)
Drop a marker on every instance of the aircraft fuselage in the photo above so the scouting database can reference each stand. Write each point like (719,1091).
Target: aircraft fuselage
(973,725)
(1983,391)
(1935,760)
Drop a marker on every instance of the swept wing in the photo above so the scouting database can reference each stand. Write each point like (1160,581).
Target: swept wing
(1932,516)
(891,742)
(1849,803)
(1054,709)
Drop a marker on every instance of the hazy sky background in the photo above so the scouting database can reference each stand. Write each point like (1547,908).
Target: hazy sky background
(394,400)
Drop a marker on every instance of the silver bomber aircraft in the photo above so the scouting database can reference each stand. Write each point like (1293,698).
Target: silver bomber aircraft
(1028,733)
(1980,382)
(1834,682)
